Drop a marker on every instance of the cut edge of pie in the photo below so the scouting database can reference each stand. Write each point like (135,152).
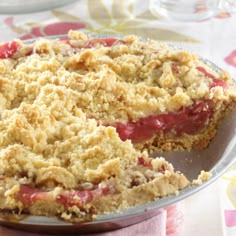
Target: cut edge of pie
(148,181)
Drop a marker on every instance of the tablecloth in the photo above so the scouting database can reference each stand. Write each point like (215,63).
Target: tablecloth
(213,38)
(167,222)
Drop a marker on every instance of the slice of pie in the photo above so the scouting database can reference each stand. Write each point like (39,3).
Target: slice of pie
(79,116)
(72,167)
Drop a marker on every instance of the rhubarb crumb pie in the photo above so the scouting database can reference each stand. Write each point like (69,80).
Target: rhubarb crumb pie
(80,115)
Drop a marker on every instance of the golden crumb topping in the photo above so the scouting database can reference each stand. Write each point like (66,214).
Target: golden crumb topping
(127,81)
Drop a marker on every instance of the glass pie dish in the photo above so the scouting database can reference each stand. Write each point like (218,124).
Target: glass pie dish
(216,158)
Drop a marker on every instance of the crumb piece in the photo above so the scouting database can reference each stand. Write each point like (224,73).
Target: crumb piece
(203,176)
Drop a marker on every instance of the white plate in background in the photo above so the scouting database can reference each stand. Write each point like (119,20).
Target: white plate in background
(22,6)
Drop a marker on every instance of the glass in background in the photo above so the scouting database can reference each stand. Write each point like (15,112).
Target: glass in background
(191,10)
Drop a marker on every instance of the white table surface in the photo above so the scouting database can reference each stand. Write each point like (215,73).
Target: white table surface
(202,214)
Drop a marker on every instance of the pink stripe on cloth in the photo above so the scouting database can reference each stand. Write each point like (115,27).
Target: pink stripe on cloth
(167,222)
(156,226)
(175,219)
(230,218)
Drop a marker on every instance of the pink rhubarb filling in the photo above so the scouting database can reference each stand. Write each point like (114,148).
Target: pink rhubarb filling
(7,50)
(215,82)
(28,195)
(188,120)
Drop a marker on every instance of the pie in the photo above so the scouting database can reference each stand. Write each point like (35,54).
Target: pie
(80,115)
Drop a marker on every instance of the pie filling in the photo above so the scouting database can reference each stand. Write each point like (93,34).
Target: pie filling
(80,198)
(188,120)
(215,82)
(28,195)
(7,50)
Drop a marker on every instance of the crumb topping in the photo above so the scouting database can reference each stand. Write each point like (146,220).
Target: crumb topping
(123,82)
